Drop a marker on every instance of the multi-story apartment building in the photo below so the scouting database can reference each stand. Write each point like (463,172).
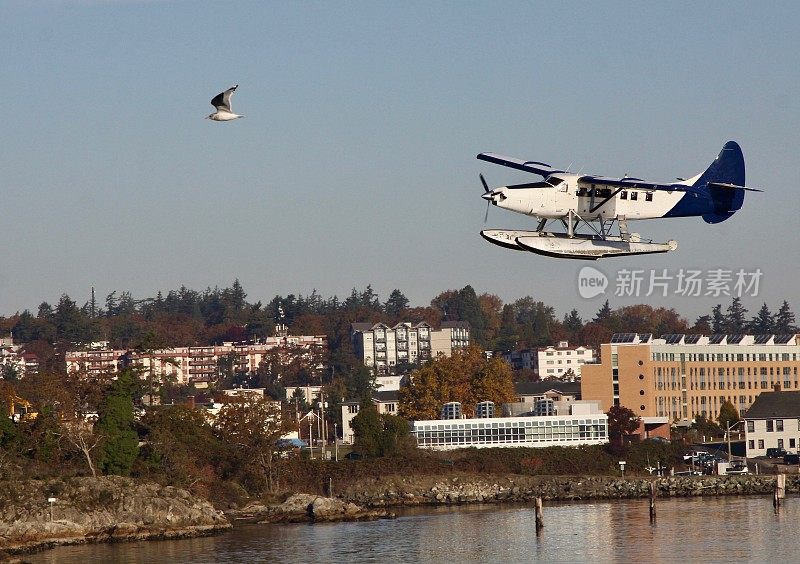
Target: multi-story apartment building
(552,363)
(13,358)
(383,347)
(682,376)
(185,364)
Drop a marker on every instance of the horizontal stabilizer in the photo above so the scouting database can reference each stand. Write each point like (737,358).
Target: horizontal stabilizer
(732,186)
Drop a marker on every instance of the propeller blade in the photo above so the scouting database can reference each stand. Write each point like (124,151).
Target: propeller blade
(486,217)
(485,186)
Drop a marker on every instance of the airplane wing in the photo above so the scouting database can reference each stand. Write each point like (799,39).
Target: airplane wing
(639,184)
(535,167)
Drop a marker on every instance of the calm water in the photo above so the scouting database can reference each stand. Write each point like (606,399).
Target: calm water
(687,530)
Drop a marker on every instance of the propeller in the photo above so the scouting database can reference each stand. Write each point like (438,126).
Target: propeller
(486,196)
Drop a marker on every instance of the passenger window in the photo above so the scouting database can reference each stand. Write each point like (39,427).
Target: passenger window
(634,195)
(648,197)
(623,195)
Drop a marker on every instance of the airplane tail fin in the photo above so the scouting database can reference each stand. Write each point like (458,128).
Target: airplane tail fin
(722,180)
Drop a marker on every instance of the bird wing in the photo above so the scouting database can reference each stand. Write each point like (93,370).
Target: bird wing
(222,101)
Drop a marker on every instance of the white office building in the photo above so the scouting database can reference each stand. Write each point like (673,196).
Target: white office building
(557,430)
(553,362)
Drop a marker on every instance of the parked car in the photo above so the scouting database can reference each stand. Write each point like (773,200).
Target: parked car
(776,453)
(694,455)
(659,440)
(737,467)
(790,458)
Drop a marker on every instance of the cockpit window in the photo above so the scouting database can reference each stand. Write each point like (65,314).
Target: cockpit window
(554,180)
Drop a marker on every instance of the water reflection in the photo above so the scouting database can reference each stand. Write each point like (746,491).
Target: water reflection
(708,530)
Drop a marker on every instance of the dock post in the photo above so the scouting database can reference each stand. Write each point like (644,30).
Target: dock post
(780,490)
(539,515)
(652,502)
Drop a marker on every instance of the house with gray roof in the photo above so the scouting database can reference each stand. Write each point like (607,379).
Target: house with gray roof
(773,421)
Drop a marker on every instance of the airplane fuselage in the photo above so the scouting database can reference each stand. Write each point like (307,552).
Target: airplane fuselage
(564,192)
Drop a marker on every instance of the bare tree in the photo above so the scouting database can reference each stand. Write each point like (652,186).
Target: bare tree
(80,434)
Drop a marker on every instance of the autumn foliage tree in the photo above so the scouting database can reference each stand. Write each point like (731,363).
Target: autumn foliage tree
(621,422)
(251,427)
(466,376)
(181,446)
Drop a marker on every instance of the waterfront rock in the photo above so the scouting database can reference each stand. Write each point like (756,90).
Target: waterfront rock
(109,508)
(431,490)
(305,508)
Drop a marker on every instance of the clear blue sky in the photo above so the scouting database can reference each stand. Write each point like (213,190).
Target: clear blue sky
(355,163)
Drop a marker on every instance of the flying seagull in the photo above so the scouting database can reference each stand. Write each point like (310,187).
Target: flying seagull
(222,102)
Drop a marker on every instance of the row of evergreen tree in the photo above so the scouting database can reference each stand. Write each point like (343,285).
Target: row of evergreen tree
(187,317)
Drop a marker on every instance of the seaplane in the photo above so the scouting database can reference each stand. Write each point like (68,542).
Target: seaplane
(592,212)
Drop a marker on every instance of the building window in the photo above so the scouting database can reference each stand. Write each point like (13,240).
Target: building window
(780,443)
(792,443)
(770,425)
(751,426)
(761,444)
(779,425)
(751,445)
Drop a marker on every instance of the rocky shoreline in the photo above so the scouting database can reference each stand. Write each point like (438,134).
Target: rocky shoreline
(308,508)
(468,489)
(112,508)
(103,509)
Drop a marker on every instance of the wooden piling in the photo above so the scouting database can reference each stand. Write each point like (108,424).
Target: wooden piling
(652,501)
(780,490)
(539,515)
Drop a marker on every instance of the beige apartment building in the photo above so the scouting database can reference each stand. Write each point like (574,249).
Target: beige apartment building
(185,364)
(682,376)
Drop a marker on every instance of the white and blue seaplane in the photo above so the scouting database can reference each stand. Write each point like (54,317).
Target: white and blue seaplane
(593,212)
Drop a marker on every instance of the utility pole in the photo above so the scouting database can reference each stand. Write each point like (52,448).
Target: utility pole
(336,441)
(728,433)
(310,436)
(324,430)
